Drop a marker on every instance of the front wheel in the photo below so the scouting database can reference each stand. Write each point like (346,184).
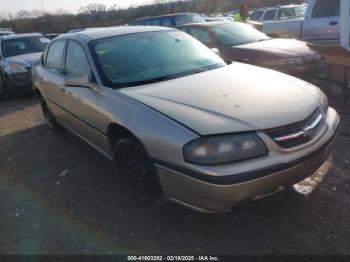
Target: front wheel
(5,94)
(136,173)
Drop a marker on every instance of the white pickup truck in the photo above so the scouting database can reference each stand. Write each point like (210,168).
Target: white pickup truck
(321,24)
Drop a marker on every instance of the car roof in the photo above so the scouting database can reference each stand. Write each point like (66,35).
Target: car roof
(100,33)
(163,16)
(14,36)
(207,24)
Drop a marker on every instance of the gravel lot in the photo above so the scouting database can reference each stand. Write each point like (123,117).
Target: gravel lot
(57,197)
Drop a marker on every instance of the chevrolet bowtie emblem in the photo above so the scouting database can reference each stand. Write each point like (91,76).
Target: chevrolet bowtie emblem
(308,131)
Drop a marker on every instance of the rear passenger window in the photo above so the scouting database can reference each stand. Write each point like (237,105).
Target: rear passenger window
(76,61)
(284,13)
(270,15)
(54,57)
(326,8)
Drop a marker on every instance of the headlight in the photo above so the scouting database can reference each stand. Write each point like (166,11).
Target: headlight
(224,149)
(283,62)
(16,68)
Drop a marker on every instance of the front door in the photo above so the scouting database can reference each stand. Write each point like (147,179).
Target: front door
(81,103)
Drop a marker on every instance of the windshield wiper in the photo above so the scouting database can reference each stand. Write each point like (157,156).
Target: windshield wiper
(145,82)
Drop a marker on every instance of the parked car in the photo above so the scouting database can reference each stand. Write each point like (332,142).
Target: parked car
(5,32)
(18,53)
(178,121)
(278,13)
(170,20)
(321,24)
(217,18)
(243,43)
(82,29)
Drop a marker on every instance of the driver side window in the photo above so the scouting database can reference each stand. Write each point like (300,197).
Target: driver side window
(76,60)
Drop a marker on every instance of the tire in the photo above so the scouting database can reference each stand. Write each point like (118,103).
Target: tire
(49,116)
(5,95)
(136,174)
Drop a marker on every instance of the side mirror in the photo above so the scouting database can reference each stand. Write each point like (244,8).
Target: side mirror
(77,80)
(216,51)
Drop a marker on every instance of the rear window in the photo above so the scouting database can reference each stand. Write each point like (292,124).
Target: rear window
(156,22)
(326,8)
(21,46)
(188,19)
(168,22)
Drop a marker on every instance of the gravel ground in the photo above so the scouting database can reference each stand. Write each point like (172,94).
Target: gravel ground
(57,197)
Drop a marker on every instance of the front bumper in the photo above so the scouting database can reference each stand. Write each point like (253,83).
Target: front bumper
(21,83)
(217,193)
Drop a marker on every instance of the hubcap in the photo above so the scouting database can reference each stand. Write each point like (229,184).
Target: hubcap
(137,174)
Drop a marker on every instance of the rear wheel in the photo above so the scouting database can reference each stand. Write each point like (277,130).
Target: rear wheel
(48,115)
(136,173)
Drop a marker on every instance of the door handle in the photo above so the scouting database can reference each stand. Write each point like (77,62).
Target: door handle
(333,23)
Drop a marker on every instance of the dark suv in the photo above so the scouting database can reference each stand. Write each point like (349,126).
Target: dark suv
(171,20)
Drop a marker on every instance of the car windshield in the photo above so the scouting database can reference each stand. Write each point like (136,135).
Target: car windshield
(150,57)
(234,34)
(27,45)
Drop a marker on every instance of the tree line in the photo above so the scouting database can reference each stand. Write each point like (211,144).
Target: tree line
(98,15)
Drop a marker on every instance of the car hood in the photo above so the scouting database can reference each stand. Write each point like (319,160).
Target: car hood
(27,60)
(280,48)
(233,98)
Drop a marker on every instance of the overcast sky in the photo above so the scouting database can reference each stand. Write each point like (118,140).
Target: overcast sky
(52,5)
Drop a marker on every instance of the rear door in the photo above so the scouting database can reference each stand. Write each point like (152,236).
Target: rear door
(51,78)
(321,26)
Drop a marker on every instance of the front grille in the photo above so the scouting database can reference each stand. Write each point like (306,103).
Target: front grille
(298,133)
(21,77)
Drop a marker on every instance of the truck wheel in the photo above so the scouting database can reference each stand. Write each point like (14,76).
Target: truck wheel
(49,116)
(135,172)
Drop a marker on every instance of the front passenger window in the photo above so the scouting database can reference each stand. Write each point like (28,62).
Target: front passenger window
(76,60)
